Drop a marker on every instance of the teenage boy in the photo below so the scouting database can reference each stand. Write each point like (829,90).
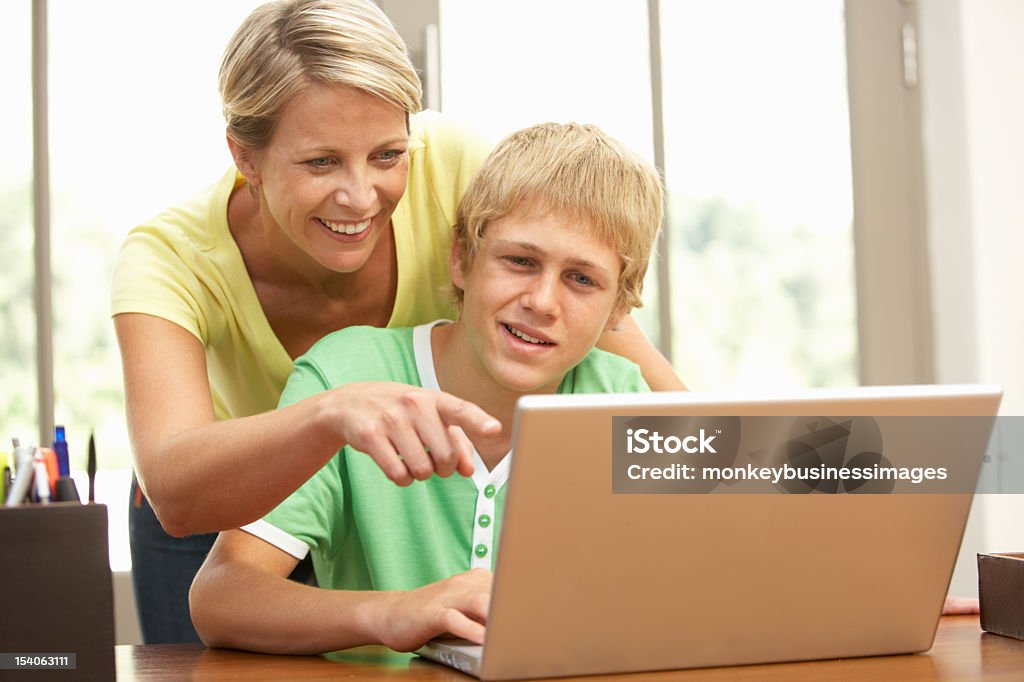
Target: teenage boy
(550,250)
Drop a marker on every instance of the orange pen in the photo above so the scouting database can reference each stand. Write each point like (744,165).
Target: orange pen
(52,470)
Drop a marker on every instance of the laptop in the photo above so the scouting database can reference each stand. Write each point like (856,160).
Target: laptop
(591,581)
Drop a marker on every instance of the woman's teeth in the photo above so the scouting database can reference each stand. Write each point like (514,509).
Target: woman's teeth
(347,228)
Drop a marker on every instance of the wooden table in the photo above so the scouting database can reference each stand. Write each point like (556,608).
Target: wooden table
(961,652)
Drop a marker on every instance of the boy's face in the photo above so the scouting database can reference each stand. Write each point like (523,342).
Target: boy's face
(538,294)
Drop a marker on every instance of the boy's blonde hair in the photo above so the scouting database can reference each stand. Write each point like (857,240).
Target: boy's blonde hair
(284,46)
(577,171)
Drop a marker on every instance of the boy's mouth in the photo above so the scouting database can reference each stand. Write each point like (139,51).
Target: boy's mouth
(523,336)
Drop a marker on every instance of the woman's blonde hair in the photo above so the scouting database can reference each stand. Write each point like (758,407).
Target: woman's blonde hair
(284,46)
(576,171)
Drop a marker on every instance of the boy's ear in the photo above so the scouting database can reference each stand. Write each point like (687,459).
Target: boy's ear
(244,161)
(456,257)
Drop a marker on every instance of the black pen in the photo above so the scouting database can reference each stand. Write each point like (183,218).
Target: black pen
(90,467)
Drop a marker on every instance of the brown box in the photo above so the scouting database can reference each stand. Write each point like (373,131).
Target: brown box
(57,588)
(1001,591)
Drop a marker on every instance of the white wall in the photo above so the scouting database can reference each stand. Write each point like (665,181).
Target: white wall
(973,89)
(126,621)
(994,78)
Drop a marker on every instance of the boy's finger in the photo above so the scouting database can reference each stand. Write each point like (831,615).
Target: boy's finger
(479,606)
(460,625)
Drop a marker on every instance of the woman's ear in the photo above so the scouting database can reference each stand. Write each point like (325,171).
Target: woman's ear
(244,161)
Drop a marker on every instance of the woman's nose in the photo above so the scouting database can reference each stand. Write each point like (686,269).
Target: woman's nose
(356,192)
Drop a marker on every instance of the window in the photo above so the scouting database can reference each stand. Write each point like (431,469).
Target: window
(559,69)
(757,160)
(135,127)
(757,164)
(18,392)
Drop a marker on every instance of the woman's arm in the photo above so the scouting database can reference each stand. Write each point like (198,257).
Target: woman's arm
(202,474)
(629,341)
(241,598)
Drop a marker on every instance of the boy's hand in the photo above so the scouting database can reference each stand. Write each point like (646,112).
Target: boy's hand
(411,433)
(456,605)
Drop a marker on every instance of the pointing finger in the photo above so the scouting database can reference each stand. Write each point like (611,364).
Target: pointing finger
(473,420)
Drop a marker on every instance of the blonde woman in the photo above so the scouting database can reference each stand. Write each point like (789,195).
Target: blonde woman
(338,212)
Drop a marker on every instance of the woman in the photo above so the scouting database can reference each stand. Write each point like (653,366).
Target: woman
(339,214)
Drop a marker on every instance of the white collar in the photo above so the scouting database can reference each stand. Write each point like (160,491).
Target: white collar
(423,350)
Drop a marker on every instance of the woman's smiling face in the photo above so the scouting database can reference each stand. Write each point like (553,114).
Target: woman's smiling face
(334,170)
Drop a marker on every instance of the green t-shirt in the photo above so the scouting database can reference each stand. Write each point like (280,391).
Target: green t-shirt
(364,531)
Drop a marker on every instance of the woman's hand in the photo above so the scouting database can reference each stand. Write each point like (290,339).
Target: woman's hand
(959,606)
(629,341)
(457,605)
(411,433)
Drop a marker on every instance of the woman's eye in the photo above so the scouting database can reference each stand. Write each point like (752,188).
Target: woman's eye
(321,162)
(390,155)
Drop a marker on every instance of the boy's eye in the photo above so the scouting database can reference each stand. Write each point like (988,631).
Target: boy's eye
(518,260)
(582,279)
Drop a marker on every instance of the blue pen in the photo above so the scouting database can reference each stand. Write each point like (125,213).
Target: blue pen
(60,446)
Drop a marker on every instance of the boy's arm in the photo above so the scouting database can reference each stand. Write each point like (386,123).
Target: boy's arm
(241,598)
(629,341)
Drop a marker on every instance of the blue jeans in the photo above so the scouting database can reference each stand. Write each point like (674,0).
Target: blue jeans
(162,571)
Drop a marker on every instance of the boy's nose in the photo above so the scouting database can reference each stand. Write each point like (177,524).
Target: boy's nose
(541,295)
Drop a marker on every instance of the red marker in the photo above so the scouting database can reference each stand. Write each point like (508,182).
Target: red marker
(52,469)
(42,478)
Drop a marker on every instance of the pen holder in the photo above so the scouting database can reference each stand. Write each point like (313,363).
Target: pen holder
(58,592)
(1001,591)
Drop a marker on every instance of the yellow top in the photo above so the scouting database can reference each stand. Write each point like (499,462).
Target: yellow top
(184,266)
